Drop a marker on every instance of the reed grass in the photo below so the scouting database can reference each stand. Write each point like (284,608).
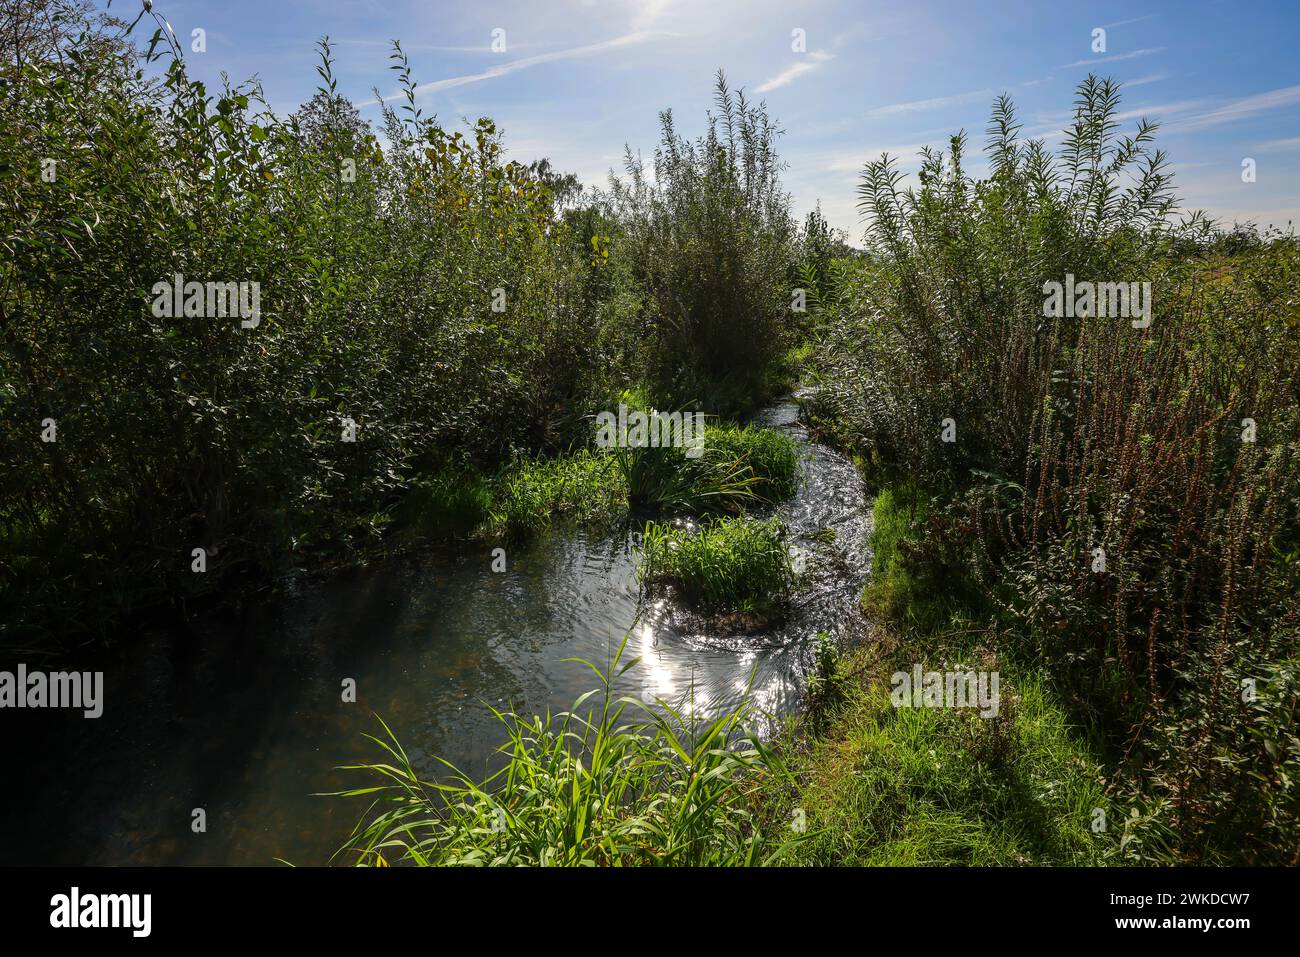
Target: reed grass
(610,782)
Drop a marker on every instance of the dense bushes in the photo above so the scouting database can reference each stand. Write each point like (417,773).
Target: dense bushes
(712,242)
(425,307)
(1123,498)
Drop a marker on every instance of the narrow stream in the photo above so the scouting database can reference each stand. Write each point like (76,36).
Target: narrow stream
(243,716)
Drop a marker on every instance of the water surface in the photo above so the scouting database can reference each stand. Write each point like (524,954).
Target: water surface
(243,715)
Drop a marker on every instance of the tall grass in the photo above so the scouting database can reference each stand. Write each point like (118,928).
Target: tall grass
(530,494)
(910,787)
(739,466)
(612,781)
(772,456)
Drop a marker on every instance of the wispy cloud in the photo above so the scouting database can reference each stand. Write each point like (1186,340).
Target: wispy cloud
(1143,81)
(650,12)
(1047,124)
(1159,109)
(1124,23)
(514,66)
(816,59)
(1243,109)
(851,159)
(484,47)
(1279,146)
(937,103)
(1114,58)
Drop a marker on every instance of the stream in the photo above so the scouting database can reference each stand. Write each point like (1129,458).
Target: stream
(241,714)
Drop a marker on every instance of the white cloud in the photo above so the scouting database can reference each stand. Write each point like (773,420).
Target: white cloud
(852,159)
(1279,146)
(815,60)
(1124,23)
(1114,58)
(1280,218)
(1160,109)
(937,103)
(484,47)
(650,12)
(1243,109)
(1143,81)
(513,66)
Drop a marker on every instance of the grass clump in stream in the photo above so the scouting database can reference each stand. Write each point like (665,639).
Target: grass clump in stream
(738,466)
(665,480)
(583,485)
(612,783)
(729,565)
(520,502)
(772,456)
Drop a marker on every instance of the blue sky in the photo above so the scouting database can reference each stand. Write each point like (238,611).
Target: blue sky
(580,78)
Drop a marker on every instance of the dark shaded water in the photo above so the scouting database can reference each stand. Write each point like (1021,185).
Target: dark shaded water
(245,719)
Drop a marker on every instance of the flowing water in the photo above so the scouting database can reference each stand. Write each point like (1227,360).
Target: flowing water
(242,715)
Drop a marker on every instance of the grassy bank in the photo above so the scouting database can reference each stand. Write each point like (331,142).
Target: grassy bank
(878,784)
(737,467)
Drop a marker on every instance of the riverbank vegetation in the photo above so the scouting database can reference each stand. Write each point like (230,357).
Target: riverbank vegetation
(437,325)
(1111,506)
(612,782)
(879,784)
(1101,510)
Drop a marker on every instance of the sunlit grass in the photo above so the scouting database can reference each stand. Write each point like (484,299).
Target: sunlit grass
(922,786)
(612,781)
(729,564)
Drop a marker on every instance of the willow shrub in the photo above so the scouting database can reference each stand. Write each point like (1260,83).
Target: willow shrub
(1126,497)
(711,244)
(427,291)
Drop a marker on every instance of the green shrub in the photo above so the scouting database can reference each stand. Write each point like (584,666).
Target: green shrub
(377,304)
(711,243)
(1101,499)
